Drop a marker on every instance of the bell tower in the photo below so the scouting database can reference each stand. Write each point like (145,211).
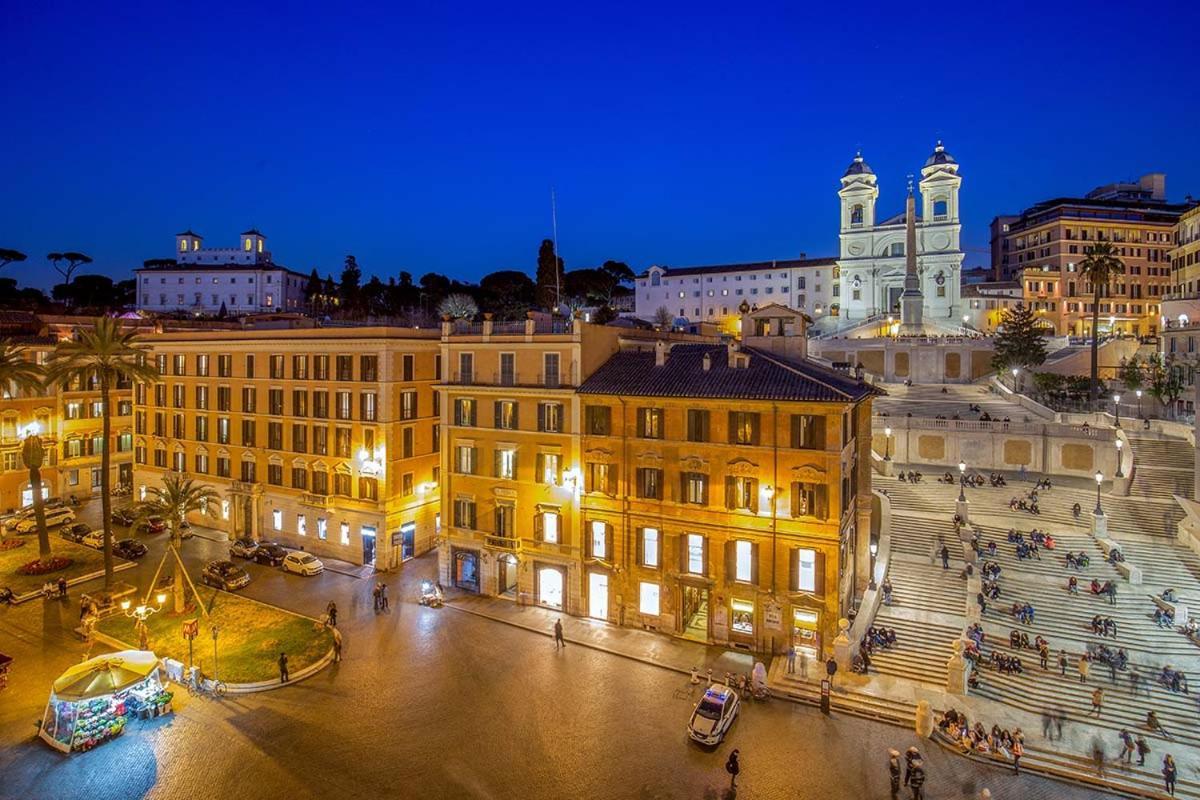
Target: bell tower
(858,193)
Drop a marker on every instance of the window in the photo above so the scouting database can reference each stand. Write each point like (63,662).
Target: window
(649,483)
(548,468)
(224,398)
(742,616)
(343,409)
(224,366)
(299,403)
(808,432)
(299,368)
(856,215)
(650,547)
(301,525)
(506,414)
(341,442)
(550,417)
(406,443)
(408,405)
(743,427)
(202,429)
(202,398)
(464,411)
(406,367)
(275,435)
(598,539)
(810,500)
(201,462)
(550,363)
(506,463)
(546,526)
(223,430)
(368,405)
(743,561)
(693,553)
(322,528)
(650,423)
(345,368)
(504,520)
(508,369)
(320,482)
(464,459)
(299,477)
(274,402)
(320,404)
(466,368)
(697,425)
(741,493)
(249,366)
(940,208)
(341,484)
(222,467)
(649,595)
(693,488)
(464,513)
(804,571)
(344,532)
(248,431)
(300,438)
(598,420)
(275,367)
(599,477)
(321,368)
(368,368)
(275,474)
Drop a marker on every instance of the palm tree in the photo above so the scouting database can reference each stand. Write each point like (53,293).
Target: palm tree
(107,355)
(177,498)
(1098,267)
(458,306)
(19,374)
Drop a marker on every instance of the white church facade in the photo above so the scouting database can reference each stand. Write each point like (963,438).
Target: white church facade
(871,258)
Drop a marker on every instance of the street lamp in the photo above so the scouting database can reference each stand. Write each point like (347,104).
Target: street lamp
(141,613)
(962,481)
(1099,480)
(1015,370)
(887,444)
(1119,444)
(1117,408)
(1139,398)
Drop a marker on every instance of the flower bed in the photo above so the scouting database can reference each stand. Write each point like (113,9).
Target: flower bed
(11,544)
(84,561)
(40,567)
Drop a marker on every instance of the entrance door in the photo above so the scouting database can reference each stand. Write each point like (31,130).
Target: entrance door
(507,576)
(806,632)
(466,570)
(368,544)
(550,587)
(408,540)
(598,595)
(695,613)
(893,299)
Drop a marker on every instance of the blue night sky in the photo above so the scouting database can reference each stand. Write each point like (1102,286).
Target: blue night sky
(426,136)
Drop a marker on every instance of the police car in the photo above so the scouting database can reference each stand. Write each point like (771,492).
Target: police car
(714,714)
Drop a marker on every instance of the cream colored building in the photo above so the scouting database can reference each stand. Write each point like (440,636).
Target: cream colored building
(321,438)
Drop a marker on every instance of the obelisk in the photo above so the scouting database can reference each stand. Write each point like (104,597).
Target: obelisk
(912,301)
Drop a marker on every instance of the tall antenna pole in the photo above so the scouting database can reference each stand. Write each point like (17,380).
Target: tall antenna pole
(554,232)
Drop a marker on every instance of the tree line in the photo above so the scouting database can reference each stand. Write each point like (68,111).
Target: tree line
(82,294)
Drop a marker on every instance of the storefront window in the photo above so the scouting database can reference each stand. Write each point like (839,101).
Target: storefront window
(743,616)
(804,631)
(650,596)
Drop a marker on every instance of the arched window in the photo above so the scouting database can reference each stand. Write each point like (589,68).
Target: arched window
(248,245)
(856,214)
(896,249)
(940,208)
(655,278)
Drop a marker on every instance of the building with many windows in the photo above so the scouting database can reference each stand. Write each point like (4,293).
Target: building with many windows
(1046,242)
(205,280)
(719,492)
(321,438)
(68,418)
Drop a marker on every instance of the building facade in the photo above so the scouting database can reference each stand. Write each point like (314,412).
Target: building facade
(720,493)
(1046,242)
(872,250)
(714,294)
(321,438)
(200,280)
(68,418)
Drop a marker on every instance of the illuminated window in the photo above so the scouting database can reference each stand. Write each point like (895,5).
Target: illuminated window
(650,547)
(806,571)
(277,519)
(743,616)
(743,561)
(599,539)
(247,245)
(322,528)
(345,532)
(301,525)
(695,554)
(649,598)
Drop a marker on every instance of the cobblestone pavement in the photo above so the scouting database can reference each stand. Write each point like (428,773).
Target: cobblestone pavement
(436,703)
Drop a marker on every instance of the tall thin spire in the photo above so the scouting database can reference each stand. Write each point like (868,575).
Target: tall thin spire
(912,301)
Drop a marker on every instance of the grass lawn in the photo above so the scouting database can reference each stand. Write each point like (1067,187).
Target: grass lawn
(251,637)
(83,561)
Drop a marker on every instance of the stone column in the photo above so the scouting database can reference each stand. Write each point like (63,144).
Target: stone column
(1099,525)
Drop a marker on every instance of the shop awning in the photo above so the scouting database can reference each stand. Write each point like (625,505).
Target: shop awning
(105,674)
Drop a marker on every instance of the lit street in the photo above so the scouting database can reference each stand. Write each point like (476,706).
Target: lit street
(439,703)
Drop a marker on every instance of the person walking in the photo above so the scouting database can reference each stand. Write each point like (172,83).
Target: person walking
(1135,678)
(1062,662)
(911,756)
(894,771)
(1018,750)
(1097,701)
(1142,750)
(331,614)
(1112,593)
(375,596)
(945,554)
(1044,655)
(1127,746)
(559,641)
(982,602)
(733,768)
(1169,773)
(62,586)
(337,645)
(283,669)
(1083,668)
(383,598)
(916,780)
(791,659)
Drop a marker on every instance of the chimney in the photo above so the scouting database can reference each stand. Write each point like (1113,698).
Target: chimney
(706,362)
(660,353)
(732,351)
(858,371)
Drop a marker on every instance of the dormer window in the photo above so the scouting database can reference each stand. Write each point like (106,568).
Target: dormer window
(655,278)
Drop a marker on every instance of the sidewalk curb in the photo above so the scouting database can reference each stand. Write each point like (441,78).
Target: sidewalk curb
(91,576)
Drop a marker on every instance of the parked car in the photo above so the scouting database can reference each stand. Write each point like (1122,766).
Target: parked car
(93,539)
(224,575)
(54,516)
(242,548)
(75,531)
(713,715)
(270,553)
(129,549)
(153,525)
(122,516)
(302,563)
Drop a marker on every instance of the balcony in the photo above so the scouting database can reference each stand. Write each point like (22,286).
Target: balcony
(517,379)
(316,500)
(506,544)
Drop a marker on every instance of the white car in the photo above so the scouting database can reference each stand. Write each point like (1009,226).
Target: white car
(54,516)
(715,712)
(93,539)
(302,563)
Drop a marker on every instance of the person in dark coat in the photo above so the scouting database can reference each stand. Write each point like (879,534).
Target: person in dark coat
(559,641)
(916,780)
(1169,773)
(1143,750)
(894,771)
(945,554)
(283,669)
(331,610)
(911,755)
(733,768)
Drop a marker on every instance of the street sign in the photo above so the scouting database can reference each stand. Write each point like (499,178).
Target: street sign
(191,627)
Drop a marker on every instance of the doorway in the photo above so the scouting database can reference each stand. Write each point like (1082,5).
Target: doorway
(550,587)
(893,299)
(695,613)
(806,632)
(598,595)
(368,545)
(408,536)
(466,570)
(506,576)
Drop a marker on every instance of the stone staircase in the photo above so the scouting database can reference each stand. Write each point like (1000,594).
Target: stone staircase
(1162,467)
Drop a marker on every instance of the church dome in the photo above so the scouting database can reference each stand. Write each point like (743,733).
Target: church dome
(859,167)
(939,156)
